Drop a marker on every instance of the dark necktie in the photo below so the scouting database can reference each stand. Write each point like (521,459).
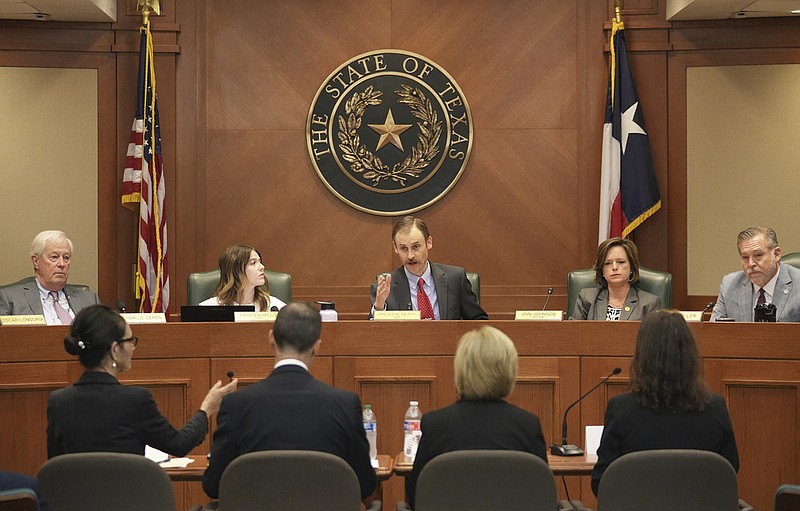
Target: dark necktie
(63,314)
(423,303)
(761,298)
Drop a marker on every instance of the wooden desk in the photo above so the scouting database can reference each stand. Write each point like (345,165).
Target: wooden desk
(560,465)
(194,471)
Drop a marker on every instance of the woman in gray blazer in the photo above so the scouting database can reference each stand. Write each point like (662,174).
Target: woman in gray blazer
(617,297)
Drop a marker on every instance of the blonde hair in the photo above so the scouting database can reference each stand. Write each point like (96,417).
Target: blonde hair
(485,364)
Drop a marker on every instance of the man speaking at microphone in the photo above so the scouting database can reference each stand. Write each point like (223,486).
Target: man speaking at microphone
(48,294)
(437,291)
(763,282)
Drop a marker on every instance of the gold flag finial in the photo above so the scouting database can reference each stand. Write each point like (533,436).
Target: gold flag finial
(617,9)
(148,6)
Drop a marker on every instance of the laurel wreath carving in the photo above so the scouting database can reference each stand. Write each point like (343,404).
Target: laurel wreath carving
(368,165)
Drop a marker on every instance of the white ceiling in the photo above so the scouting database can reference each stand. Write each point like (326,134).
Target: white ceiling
(104,11)
(680,10)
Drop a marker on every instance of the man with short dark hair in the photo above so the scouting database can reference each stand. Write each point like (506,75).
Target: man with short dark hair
(290,409)
(762,281)
(48,294)
(438,291)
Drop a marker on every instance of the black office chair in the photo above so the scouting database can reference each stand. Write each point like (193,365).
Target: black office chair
(473,278)
(792,258)
(486,479)
(288,481)
(201,286)
(670,480)
(656,282)
(787,498)
(102,481)
(20,499)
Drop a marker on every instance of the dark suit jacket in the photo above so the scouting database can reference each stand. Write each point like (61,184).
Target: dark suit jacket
(100,414)
(475,425)
(630,427)
(456,299)
(290,410)
(23,299)
(592,303)
(735,298)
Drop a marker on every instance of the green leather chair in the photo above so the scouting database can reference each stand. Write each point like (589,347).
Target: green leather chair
(792,258)
(200,286)
(473,278)
(656,282)
(31,279)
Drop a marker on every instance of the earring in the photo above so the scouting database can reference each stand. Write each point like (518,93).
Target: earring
(113,363)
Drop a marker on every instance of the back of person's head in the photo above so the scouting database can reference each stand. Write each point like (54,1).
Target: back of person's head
(485,364)
(751,232)
(407,224)
(602,252)
(43,238)
(297,327)
(92,332)
(666,373)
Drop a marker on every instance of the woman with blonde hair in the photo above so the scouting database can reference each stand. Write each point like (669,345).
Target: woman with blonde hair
(485,371)
(242,280)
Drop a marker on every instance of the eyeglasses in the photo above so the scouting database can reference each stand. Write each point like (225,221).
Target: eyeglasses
(132,339)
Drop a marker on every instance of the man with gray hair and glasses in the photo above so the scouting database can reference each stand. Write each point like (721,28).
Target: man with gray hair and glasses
(48,293)
(764,289)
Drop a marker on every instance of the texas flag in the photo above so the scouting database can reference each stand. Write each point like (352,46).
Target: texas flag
(628,186)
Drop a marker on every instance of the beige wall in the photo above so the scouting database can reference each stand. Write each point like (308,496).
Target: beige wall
(743,157)
(48,165)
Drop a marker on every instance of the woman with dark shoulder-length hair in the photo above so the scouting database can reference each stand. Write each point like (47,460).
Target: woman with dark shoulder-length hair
(485,372)
(616,297)
(242,280)
(668,406)
(97,413)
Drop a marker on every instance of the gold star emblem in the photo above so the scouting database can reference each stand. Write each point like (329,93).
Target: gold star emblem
(389,131)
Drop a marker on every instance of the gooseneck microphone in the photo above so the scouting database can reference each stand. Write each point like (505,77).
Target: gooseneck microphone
(121,306)
(230,375)
(274,308)
(566,449)
(549,294)
(708,306)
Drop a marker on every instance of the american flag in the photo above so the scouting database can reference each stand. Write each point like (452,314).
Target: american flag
(143,184)
(628,186)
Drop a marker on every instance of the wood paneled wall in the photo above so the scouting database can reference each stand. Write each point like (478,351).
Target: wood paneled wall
(235,82)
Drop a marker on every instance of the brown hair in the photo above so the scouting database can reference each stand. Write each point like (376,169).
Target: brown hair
(602,252)
(407,224)
(232,264)
(751,232)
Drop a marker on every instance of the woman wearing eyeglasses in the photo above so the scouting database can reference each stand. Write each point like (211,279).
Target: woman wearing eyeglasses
(98,413)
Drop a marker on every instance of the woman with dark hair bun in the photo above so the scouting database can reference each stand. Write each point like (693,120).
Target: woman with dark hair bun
(668,406)
(97,413)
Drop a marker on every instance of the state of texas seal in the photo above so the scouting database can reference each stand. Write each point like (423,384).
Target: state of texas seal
(389,132)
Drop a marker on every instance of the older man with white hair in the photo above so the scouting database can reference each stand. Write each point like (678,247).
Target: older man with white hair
(48,294)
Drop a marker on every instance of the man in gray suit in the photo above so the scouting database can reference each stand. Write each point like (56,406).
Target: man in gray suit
(763,280)
(48,293)
(438,291)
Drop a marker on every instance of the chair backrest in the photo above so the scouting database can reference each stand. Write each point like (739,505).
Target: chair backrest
(792,258)
(31,279)
(669,479)
(473,278)
(100,481)
(201,285)
(289,480)
(20,499)
(486,479)
(656,282)
(787,498)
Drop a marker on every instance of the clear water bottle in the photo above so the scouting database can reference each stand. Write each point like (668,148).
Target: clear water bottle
(413,432)
(371,429)
(327,310)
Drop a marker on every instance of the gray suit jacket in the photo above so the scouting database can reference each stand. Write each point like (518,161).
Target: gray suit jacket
(23,299)
(735,298)
(453,291)
(592,303)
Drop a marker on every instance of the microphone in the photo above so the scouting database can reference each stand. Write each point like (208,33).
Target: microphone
(274,308)
(708,306)
(121,306)
(549,294)
(230,375)
(566,449)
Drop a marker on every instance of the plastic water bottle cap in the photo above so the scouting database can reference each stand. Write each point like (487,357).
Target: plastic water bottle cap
(413,403)
(323,305)
(367,407)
